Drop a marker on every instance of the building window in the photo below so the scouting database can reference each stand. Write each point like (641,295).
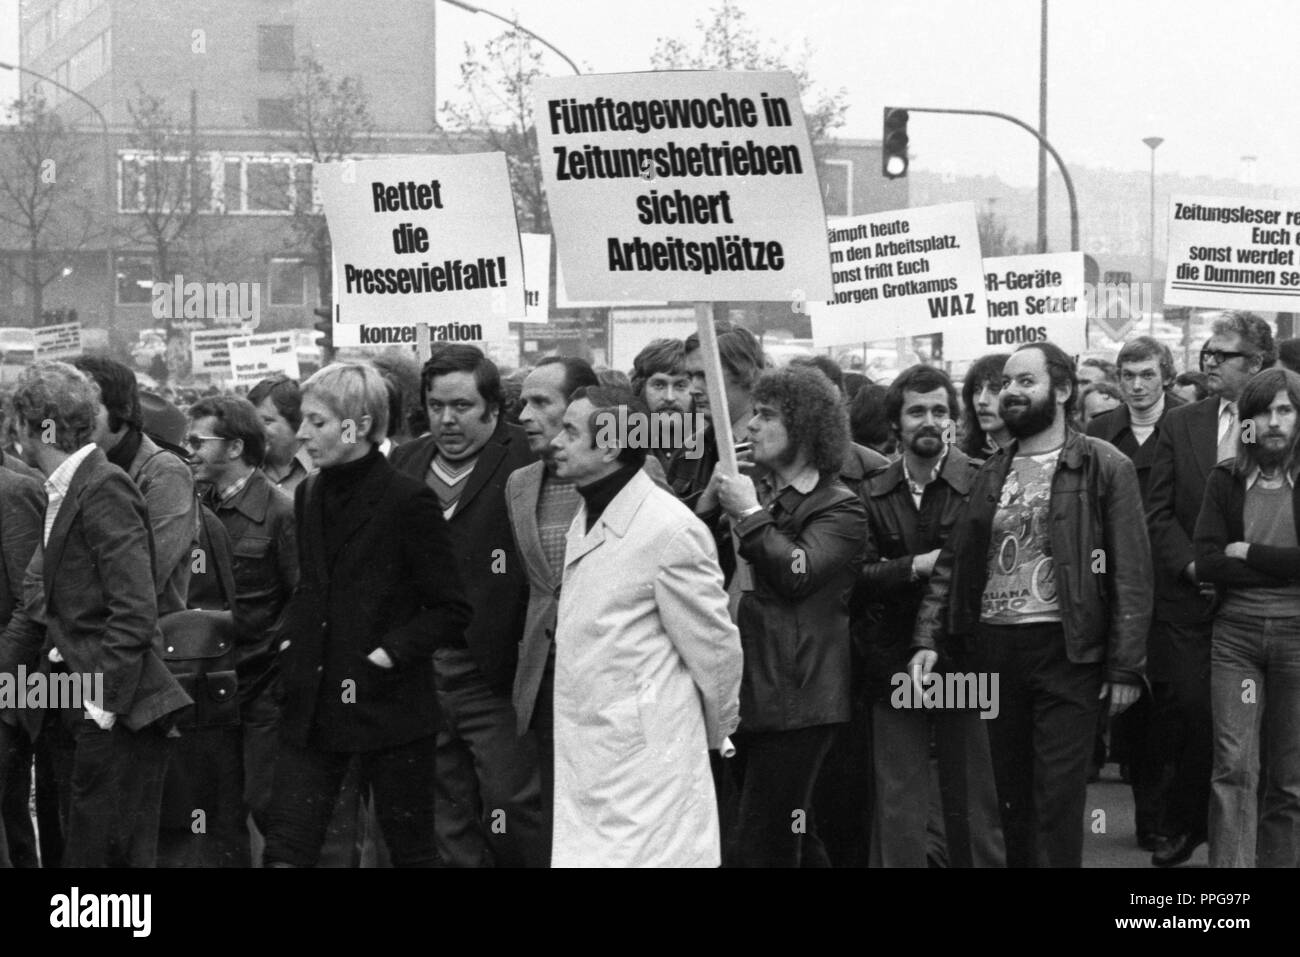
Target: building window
(275,48)
(134,279)
(148,186)
(275,114)
(837,187)
(288,282)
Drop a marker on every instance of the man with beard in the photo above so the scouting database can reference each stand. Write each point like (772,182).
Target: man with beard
(911,507)
(659,377)
(1248,543)
(1192,439)
(1045,581)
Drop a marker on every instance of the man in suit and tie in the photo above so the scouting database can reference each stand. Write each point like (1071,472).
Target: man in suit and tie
(488,800)
(1146,371)
(542,507)
(92,581)
(1191,440)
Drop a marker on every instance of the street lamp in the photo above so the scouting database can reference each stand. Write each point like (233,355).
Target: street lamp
(110,207)
(1153,142)
(515,23)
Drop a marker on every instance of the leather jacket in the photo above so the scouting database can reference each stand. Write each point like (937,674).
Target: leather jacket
(1102,556)
(804,552)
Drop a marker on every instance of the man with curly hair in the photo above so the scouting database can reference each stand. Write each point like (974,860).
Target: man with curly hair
(803,533)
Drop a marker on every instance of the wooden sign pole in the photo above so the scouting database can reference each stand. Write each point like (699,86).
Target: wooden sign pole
(722,433)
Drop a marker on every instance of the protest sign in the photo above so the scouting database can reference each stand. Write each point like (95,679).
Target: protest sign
(253,358)
(1227,253)
(537,291)
(632,329)
(1033,299)
(687,185)
(210,352)
(58,342)
(425,239)
(537,277)
(907,272)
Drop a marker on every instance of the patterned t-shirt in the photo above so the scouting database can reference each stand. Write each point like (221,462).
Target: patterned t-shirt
(1021,587)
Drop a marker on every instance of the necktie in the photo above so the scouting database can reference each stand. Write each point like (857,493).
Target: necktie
(1228,432)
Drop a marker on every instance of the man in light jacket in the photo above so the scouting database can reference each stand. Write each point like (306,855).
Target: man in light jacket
(648,663)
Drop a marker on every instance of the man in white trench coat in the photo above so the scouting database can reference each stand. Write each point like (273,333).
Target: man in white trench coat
(648,662)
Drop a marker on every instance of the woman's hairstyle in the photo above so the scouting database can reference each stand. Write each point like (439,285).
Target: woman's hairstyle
(352,390)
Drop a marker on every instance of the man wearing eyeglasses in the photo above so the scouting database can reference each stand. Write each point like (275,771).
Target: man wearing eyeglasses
(1145,373)
(1191,440)
(226,442)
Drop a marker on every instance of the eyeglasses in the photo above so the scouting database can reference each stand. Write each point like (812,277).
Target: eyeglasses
(195,442)
(1219,356)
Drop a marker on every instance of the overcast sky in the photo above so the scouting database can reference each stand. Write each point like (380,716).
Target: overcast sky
(1215,79)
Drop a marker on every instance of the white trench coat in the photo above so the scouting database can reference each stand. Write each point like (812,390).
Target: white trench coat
(647,679)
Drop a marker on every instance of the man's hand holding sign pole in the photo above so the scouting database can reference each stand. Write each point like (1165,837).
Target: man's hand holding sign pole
(684,186)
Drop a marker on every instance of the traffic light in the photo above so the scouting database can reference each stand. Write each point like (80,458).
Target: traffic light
(893,144)
(325,326)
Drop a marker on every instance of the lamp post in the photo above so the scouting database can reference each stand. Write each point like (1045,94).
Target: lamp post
(110,207)
(1153,142)
(584,314)
(518,26)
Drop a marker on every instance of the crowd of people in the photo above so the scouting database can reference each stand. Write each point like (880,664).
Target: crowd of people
(484,620)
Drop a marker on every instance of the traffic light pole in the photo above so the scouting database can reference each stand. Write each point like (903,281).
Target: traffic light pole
(1065,174)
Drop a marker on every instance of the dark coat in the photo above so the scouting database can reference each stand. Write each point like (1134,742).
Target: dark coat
(886,594)
(1114,427)
(394,586)
(1222,521)
(1186,450)
(804,552)
(97,597)
(264,560)
(1096,511)
(22,523)
(496,584)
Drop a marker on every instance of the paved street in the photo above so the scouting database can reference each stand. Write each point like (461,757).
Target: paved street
(1116,844)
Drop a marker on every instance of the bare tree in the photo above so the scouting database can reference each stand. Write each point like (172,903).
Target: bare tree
(727,42)
(331,121)
(164,183)
(43,196)
(996,238)
(496,114)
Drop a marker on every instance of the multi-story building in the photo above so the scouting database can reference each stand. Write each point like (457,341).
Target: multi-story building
(224,72)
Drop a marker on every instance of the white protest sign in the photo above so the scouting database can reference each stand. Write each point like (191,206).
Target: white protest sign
(1227,253)
(631,330)
(58,342)
(253,358)
(537,291)
(210,352)
(564,301)
(537,277)
(425,239)
(688,185)
(906,272)
(1035,299)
